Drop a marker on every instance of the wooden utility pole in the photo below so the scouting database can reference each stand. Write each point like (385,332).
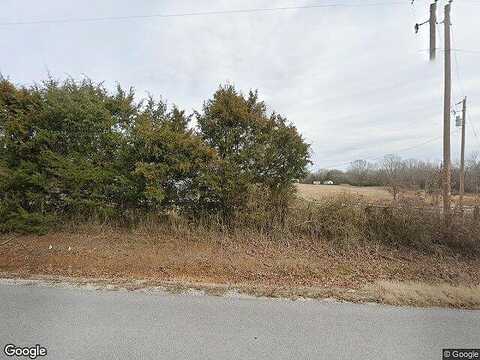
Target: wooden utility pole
(462,154)
(432,21)
(447,165)
(446,118)
(433,29)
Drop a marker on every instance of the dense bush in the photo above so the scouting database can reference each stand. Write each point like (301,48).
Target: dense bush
(254,148)
(72,149)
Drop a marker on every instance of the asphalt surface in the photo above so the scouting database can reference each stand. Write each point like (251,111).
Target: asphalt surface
(73,323)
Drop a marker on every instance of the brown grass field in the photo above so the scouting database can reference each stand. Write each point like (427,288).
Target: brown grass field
(319,192)
(374,194)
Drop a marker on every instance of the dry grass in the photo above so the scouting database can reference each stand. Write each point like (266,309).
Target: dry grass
(421,294)
(394,293)
(372,194)
(320,192)
(341,247)
(252,263)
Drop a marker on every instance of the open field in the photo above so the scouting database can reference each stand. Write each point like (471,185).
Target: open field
(254,265)
(318,192)
(374,194)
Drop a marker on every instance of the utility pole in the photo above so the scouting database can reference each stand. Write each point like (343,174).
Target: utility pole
(432,21)
(446,118)
(433,29)
(462,154)
(446,181)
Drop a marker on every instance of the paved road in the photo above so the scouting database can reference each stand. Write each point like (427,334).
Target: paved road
(86,324)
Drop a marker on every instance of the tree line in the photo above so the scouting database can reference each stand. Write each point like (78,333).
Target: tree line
(398,174)
(72,149)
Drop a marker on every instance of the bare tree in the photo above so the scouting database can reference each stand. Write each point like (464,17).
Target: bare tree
(361,173)
(472,173)
(433,186)
(392,170)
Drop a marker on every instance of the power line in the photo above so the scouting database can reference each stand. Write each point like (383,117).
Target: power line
(414,14)
(200,13)
(457,71)
(462,88)
(472,126)
(458,87)
(380,157)
(472,51)
(467,51)
(462,2)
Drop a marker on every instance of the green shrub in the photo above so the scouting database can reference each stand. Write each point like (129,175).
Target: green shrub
(72,150)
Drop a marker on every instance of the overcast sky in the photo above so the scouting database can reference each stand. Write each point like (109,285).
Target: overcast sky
(354,80)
